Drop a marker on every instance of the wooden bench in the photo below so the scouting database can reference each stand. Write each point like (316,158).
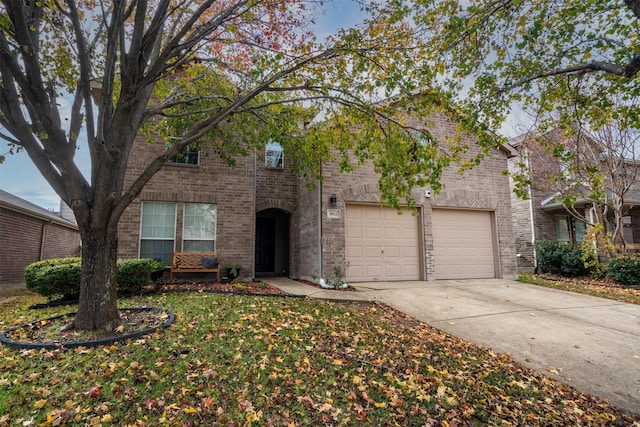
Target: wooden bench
(195,262)
(635,247)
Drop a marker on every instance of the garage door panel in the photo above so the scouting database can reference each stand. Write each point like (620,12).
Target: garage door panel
(463,244)
(389,244)
(374,271)
(373,252)
(354,251)
(354,232)
(373,232)
(355,271)
(393,251)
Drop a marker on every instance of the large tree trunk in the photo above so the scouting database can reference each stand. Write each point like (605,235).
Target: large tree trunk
(98,308)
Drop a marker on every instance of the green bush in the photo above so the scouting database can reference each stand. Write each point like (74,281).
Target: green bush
(61,276)
(132,274)
(560,258)
(591,261)
(624,270)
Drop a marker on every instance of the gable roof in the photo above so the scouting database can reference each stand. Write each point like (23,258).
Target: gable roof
(16,204)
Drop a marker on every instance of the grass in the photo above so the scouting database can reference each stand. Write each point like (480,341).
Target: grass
(597,288)
(244,360)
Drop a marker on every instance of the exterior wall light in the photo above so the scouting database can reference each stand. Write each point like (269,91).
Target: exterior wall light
(333,200)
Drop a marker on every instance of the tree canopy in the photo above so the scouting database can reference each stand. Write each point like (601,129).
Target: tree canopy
(545,55)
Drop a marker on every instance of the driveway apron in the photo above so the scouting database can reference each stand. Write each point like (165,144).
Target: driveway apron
(590,343)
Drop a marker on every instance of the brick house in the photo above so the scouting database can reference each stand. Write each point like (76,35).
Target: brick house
(542,216)
(30,233)
(262,217)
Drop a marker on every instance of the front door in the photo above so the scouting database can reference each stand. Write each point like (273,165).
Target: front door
(265,245)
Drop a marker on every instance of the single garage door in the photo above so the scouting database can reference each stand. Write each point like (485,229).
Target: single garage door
(380,244)
(463,244)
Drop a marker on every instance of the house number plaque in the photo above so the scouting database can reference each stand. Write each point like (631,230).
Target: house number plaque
(334,213)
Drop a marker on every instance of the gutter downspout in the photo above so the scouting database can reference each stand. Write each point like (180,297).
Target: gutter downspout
(43,238)
(320,257)
(533,222)
(254,214)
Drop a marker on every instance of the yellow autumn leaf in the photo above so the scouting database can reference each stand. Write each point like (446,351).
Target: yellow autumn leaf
(106,418)
(190,410)
(40,404)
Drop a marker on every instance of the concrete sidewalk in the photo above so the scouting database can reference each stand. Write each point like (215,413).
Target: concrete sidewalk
(590,343)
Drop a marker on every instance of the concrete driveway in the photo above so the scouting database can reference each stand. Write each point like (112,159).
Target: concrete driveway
(590,343)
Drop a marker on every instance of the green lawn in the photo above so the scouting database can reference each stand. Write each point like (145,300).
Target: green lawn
(597,288)
(242,360)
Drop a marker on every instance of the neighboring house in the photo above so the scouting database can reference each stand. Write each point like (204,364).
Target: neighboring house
(29,233)
(542,216)
(262,217)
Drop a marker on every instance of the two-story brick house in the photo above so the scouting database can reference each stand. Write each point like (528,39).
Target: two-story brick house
(542,216)
(261,216)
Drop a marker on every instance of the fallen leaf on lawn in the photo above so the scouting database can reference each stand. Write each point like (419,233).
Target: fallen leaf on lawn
(40,404)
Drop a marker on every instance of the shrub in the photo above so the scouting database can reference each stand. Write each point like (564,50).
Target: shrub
(132,274)
(624,270)
(591,261)
(61,276)
(560,258)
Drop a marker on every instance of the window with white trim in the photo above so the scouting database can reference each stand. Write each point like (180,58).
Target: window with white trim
(199,227)
(158,231)
(273,155)
(188,157)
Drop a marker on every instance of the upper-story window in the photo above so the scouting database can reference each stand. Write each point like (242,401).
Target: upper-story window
(273,155)
(188,157)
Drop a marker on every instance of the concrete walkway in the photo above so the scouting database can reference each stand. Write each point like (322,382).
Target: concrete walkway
(590,343)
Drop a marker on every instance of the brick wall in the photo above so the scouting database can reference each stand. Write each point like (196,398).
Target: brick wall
(308,243)
(23,243)
(276,188)
(485,187)
(231,189)
(238,192)
(521,214)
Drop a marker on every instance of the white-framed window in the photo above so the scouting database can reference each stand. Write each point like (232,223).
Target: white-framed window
(423,146)
(569,230)
(188,157)
(563,233)
(199,227)
(273,155)
(158,231)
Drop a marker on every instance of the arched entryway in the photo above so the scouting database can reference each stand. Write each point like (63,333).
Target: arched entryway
(272,243)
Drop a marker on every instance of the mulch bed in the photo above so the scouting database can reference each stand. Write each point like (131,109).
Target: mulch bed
(253,288)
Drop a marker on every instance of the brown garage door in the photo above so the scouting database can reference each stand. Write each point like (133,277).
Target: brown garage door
(463,244)
(380,244)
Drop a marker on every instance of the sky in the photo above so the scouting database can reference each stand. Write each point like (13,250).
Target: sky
(20,177)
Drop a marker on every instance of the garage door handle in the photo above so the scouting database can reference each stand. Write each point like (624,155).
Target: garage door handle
(382,250)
